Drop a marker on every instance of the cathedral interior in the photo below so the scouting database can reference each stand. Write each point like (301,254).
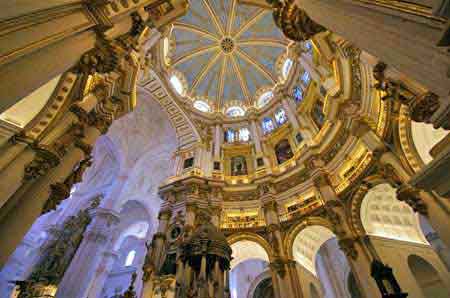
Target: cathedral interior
(225,149)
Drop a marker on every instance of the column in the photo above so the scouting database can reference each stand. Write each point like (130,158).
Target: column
(155,254)
(26,204)
(80,274)
(159,239)
(435,208)
(279,265)
(358,257)
(218,137)
(291,114)
(401,39)
(101,274)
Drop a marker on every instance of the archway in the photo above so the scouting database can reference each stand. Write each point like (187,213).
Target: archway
(321,262)
(425,137)
(250,259)
(264,289)
(427,277)
(383,215)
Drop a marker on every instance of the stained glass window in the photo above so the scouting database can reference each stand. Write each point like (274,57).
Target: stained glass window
(297,94)
(230,135)
(286,68)
(130,258)
(244,134)
(308,46)
(176,84)
(267,125)
(305,78)
(280,116)
(265,98)
(235,112)
(202,106)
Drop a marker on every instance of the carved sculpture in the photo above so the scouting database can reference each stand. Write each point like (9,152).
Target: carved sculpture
(57,256)
(293,21)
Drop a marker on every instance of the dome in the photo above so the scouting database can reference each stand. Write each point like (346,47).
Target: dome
(227,52)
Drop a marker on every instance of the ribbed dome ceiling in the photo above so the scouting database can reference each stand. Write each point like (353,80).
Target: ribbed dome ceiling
(226,53)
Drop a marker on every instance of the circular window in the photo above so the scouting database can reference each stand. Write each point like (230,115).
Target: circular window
(202,106)
(235,112)
(265,98)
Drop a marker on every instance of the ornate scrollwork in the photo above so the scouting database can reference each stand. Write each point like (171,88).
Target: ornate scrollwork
(411,196)
(61,191)
(293,21)
(57,256)
(41,164)
(422,106)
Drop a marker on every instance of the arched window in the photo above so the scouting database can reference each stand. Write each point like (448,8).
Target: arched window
(297,94)
(235,112)
(265,98)
(202,106)
(308,46)
(176,84)
(130,258)
(230,135)
(267,125)
(280,116)
(166,46)
(305,78)
(286,68)
(244,134)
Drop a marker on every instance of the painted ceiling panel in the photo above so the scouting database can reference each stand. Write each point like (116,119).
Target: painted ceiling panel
(255,79)
(188,41)
(197,15)
(250,43)
(263,27)
(223,10)
(191,68)
(264,56)
(243,15)
(232,89)
(208,87)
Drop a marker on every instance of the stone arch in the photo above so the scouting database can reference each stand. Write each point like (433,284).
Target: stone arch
(427,277)
(294,231)
(365,221)
(252,238)
(263,276)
